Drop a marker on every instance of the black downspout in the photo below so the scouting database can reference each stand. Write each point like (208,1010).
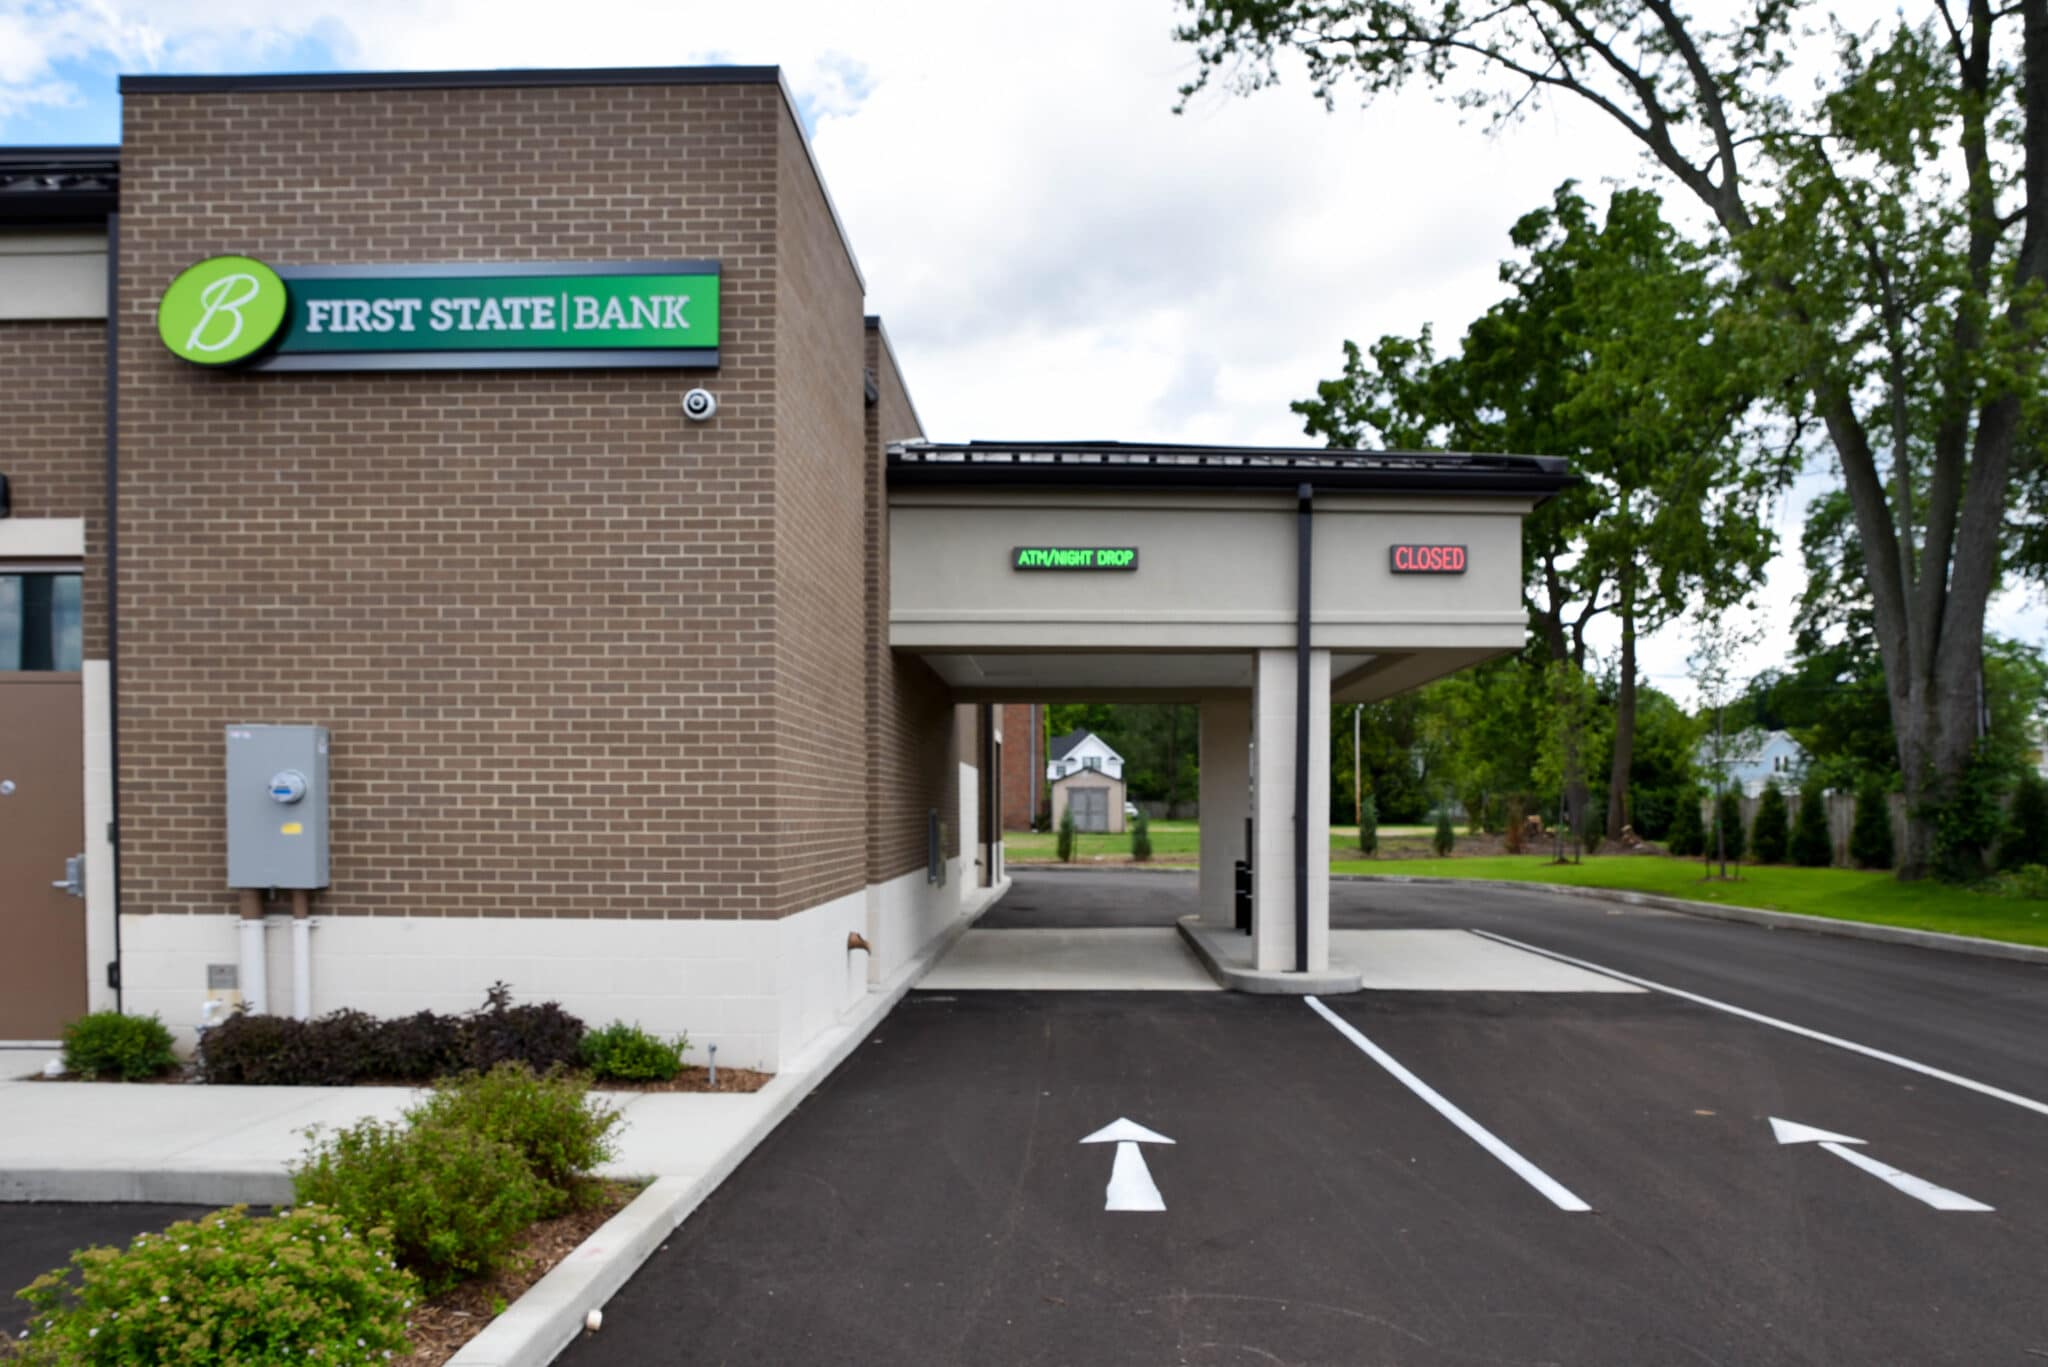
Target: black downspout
(113,540)
(1303,521)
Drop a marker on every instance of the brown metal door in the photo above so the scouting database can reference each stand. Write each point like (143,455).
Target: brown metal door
(42,823)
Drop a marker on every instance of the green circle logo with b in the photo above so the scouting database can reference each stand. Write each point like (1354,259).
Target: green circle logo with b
(222,310)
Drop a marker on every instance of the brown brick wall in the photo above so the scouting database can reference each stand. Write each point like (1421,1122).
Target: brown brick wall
(911,768)
(1023,764)
(53,396)
(820,542)
(538,609)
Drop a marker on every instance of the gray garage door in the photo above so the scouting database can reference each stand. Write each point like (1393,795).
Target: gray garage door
(1091,808)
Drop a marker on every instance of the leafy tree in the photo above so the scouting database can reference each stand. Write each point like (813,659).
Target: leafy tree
(1729,839)
(1663,777)
(1445,839)
(1770,836)
(1613,350)
(1870,834)
(1890,234)
(2026,831)
(1482,728)
(1369,825)
(1568,703)
(1687,836)
(1811,846)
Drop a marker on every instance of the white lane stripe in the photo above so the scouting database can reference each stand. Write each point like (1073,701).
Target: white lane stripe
(1919,1188)
(1551,1188)
(1852,1046)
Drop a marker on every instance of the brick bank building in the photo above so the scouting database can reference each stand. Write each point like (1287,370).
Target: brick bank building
(638,654)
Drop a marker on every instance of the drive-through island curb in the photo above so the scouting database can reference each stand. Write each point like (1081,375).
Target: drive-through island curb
(535,1328)
(1756,916)
(1227,954)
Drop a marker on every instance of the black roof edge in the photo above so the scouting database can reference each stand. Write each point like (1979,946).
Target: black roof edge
(1135,465)
(59,186)
(40,154)
(509,77)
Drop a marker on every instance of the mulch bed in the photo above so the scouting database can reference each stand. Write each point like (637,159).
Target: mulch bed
(693,1080)
(439,1327)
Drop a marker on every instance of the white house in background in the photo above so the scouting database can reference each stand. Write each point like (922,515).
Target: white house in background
(1081,750)
(1752,758)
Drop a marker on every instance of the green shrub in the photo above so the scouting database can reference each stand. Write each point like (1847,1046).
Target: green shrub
(1772,833)
(2028,881)
(559,1131)
(1727,840)
(303,1286)
(109,1044)
(629,1054)
(454,1202)
(1870,834)
(1445,839)
(1369,825)
(1141,838)
(1812,847)
(1967,821)
(1688,836)
(2026,831)
(1065,840)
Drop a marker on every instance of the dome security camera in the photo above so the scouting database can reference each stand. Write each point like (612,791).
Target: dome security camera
(699,405)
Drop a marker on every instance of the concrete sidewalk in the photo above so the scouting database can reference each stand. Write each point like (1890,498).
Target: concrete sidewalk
(204,1145)
(83,1141)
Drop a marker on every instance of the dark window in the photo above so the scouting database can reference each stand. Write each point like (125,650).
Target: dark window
(40,622)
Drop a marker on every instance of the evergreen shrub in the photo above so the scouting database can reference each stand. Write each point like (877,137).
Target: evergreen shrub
(1771,835)
(2026,832)
(1870,835)
(1728,813)
(1812,847)
(1688,835)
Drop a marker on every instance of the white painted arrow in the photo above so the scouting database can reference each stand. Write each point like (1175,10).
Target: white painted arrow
(1919,1188)
(1130,1182)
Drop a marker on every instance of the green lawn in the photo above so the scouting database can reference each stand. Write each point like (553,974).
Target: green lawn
(1172,841)
(1845,894)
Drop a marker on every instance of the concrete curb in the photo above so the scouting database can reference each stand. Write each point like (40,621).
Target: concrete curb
(190,1187)
(1213,950)
(1756,916)
(1054,866)
(545,1320)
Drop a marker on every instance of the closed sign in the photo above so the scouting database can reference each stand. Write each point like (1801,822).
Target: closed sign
(1429,559)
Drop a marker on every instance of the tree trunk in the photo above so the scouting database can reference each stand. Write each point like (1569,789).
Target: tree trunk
(1619,809)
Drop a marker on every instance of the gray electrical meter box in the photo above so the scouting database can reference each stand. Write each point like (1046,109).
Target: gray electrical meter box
(277,806)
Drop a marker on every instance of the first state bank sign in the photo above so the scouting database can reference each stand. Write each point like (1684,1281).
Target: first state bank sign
(236,311)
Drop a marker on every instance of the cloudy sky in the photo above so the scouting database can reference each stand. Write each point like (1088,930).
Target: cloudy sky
(1055,252)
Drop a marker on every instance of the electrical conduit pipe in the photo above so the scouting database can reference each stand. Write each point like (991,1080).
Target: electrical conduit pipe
(302,954)
(254,973)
